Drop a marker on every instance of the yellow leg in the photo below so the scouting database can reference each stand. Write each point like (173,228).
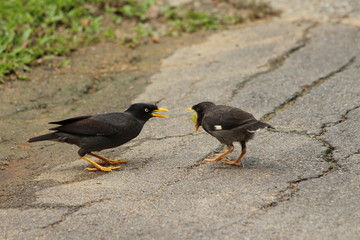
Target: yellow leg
(237,162)
(220,157)
(97,166)
(106,160)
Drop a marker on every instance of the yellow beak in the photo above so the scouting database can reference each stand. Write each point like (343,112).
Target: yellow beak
(189,109)
(159,110)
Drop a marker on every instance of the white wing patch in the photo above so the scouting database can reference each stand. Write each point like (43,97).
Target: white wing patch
(217,127)
(251,131)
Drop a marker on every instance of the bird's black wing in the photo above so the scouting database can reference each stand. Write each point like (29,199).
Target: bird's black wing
(102,124)
(226,118)
(70,120)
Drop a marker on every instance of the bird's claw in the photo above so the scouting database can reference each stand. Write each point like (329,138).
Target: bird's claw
(104,169)
(118,161)
(234,163)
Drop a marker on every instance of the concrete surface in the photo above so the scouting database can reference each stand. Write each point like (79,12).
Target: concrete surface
(300,73)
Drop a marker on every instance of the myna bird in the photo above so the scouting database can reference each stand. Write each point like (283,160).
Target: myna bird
(228,125)
(102,131)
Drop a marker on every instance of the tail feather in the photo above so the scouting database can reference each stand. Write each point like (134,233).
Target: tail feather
(49,136)
(256,126)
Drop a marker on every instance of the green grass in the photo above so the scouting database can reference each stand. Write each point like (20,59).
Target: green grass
(31,29)
(34,31)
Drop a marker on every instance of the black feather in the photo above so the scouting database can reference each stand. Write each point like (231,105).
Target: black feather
(69,120)
(49,136)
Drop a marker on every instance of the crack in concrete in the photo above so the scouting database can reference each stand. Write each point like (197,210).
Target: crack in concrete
(293,187)
(201,160)
(289,192)
(40,106)
(71,210)
(153,196)
(305,90)
(352,154)
(139,142)
(193,87)
(142,164)
(274,64)
(343,118)
(277,62)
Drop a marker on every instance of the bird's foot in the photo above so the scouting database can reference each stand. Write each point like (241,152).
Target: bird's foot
(101,168)
(239,164)
(112,162)
(106,160)
(215,159)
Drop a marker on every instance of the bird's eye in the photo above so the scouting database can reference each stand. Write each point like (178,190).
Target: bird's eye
(146,110)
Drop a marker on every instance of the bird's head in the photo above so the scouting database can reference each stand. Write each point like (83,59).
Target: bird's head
(198,115)
(144,112)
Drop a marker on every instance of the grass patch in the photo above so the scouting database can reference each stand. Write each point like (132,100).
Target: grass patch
(35,31)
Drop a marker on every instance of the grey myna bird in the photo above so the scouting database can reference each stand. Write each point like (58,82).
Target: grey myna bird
(228,125)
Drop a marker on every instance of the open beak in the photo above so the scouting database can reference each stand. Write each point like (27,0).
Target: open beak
(159,115)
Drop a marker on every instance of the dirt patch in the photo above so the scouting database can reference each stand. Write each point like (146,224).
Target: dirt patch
(101,78)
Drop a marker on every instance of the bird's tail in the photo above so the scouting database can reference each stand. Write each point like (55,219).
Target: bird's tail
(256,126)
(49,136)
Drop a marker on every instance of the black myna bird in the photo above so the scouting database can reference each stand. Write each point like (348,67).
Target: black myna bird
(228,125)
(102,131)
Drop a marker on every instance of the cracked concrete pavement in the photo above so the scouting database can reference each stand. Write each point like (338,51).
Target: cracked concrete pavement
(300,73)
